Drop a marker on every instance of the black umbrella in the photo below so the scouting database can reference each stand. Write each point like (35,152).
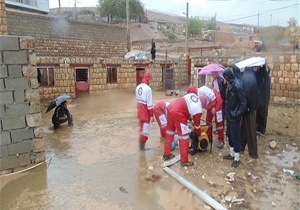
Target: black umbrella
(56,102)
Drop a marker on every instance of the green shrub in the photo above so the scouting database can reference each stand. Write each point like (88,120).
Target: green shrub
(170,35)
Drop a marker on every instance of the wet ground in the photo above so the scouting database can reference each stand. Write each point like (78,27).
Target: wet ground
(96,164)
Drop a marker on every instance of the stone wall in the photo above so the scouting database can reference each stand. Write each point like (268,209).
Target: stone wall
(64,74)
(285,74)
(3,20)
(61,37)
(21,138)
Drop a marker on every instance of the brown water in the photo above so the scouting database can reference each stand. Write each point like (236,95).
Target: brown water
(96,164)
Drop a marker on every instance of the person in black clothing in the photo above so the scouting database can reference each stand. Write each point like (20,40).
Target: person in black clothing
(235,106)
(264,86)
(237,72)
(248,126)
(153,50)
(62,115)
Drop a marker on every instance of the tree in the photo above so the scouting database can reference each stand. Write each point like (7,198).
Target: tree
(195,26)
(212,24)
(117,8)
(292,22)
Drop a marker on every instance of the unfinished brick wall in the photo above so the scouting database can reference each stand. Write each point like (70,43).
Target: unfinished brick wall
(3,21)
(22,142)
(61,37)
(285,74)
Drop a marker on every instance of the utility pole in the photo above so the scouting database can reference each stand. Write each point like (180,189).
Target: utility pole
(186,30)
(258,25)
(271,20)
(127,25)
(59,6)
(75,17)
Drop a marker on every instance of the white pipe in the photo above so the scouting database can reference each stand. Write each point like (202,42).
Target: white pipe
(27,169)
(206,198)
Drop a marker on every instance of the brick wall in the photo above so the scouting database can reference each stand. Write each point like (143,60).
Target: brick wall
(62,37)
(285,74)
(3,20)
(21,138)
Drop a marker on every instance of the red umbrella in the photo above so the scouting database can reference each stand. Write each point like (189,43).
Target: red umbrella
(208,69)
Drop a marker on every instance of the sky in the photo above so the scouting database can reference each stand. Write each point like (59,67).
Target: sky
(253,12)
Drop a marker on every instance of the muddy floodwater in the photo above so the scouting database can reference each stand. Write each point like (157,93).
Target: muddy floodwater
(96,164)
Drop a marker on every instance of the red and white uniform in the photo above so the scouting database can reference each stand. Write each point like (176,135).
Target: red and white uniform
(160,114)
(178,113)
(212,99)
(143,93)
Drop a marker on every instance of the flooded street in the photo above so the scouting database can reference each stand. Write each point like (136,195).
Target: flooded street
(96,164)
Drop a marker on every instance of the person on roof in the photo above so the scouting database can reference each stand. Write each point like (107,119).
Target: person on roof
(143,93)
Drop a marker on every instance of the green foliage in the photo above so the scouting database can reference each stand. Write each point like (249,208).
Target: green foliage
(117,8)
(195,26)
(212,24)
(170,35)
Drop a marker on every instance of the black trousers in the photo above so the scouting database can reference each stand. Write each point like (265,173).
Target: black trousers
(248,134)
(57,122)
(261,118)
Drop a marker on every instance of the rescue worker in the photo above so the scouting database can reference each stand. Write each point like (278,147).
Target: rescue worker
(160,114)
(62,115)
(143,95)
(178,113)
(211,101)
(235,106)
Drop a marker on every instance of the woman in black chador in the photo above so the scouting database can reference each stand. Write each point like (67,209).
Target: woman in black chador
(153,50)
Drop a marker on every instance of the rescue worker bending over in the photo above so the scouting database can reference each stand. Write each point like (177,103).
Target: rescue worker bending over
(178,113)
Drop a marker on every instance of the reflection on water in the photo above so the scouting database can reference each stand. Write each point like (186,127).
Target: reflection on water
(93,159)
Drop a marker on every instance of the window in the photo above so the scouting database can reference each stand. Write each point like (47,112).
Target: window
(46,76)
(19,1)
(240,39)
(250,38)
(81,74)
(111,75)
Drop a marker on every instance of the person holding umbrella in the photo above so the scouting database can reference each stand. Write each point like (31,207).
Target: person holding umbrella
(62,115)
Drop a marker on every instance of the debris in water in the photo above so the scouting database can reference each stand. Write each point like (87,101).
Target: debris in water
(153,178)
(123,190)
(230,177)
(288,171)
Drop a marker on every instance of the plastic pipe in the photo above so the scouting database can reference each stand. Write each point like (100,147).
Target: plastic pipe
(206,198)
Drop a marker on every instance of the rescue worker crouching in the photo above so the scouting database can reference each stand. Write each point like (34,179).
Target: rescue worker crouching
(178,113)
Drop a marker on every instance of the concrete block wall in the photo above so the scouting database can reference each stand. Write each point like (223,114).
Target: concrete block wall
(285,74)
(61,37)
(3,20)
(21,139)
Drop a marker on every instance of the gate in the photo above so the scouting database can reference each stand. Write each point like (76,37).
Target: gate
(81,81)
(169,79)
